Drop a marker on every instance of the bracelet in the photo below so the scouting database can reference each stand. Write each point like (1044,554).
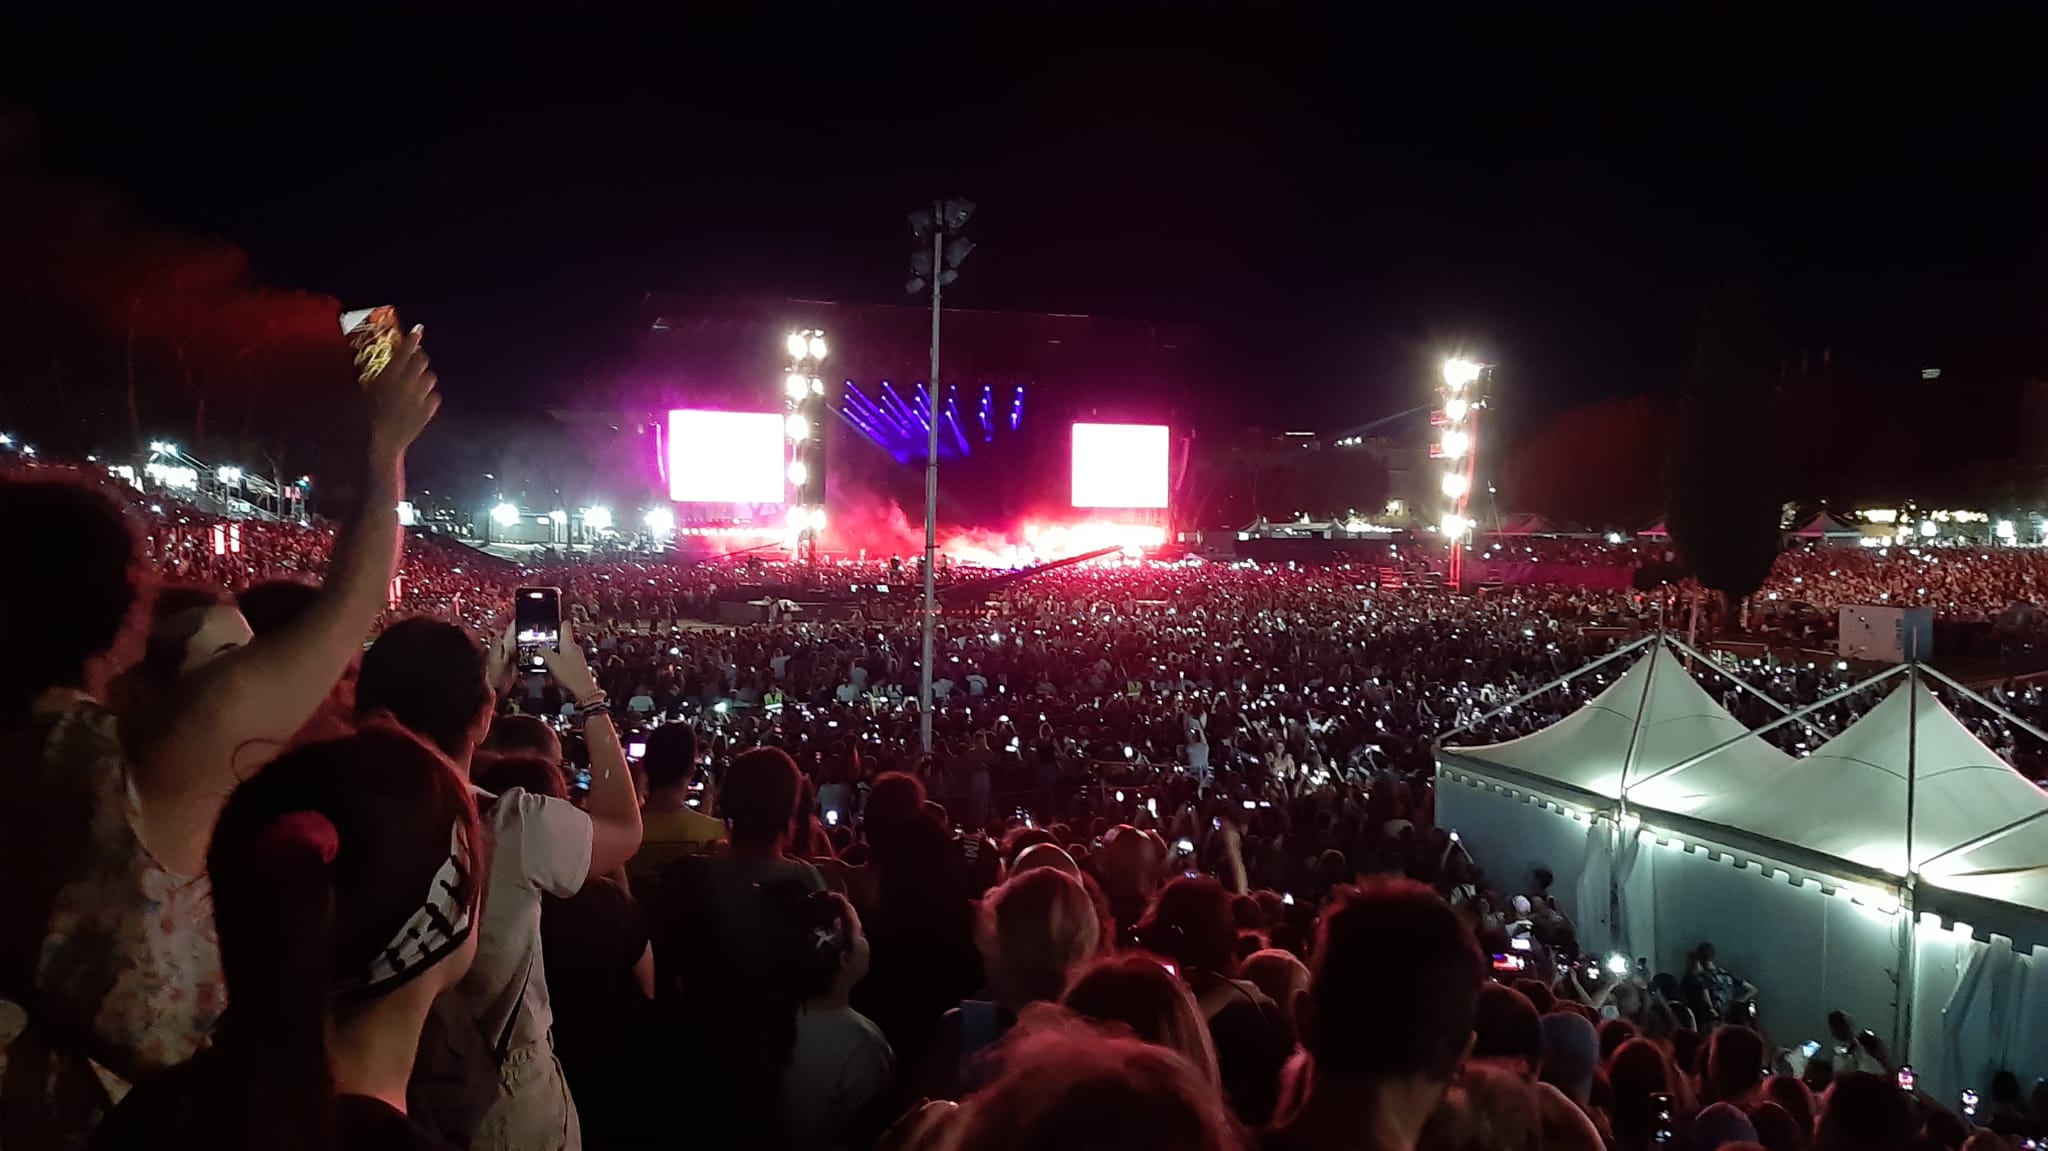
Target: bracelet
(596,705)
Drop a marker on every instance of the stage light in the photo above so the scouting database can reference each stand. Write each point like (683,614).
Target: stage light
(1459,372)
(799,429)
(1456,408)
(1928,529)
(795,385)
(817,386)
(817,347)
(505,515)
(597,519)
(1614,537)
(1455,443)
(799,472)
(228,475)
(1455,525)
(1455,484)
(798,345)
(818,519)
(661,521)
(2006,531)
(558,517)
(7,441)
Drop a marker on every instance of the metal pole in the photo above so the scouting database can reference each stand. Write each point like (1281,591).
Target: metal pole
(931,494)
(1909,910)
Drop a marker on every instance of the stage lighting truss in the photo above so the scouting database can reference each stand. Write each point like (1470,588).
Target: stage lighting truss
(1461,395)
(804,404)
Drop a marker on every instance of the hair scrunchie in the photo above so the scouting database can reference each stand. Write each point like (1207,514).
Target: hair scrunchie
(295,832)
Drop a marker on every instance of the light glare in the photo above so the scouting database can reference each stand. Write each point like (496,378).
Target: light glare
(798,345)
(1455,484)
(1459,372)
(1455,443)
(660,521)
(505,515)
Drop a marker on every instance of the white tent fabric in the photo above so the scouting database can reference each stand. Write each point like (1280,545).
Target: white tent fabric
(1978,826)
(1777,859)
(1653,717)
(1826,526)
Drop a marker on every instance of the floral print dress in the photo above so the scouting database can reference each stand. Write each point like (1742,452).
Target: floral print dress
(111,969)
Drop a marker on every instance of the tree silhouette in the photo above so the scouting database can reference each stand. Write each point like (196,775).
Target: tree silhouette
(1725,494)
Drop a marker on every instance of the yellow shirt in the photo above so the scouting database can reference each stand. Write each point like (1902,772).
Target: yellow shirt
(669,835)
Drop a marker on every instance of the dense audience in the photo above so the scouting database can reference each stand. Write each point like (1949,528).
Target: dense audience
(1171,877)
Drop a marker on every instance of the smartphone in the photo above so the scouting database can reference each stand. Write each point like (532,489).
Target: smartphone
(1970,1105)
(1504,961)
(1185,846)
(1907,1080)
(537,624)
(579,780)
(1521,944)
(1810,1048)
(637,749)
(1663,1128)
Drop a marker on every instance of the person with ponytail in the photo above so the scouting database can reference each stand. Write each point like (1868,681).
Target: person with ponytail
(347,881)
(109,971)
(838,1067)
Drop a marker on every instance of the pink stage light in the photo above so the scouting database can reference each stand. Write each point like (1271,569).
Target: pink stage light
(725,457)
(1120,465)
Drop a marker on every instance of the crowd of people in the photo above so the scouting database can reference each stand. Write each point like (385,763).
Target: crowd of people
(304,853)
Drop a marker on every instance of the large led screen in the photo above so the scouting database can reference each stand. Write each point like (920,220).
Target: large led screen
(1120,465)
(725,457)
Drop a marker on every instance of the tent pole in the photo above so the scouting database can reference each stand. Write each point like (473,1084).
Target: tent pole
(1526,696)
(1999,709)
(1737,680)
(1635,731)
(1789,717)
(1909,928)
(1984,840)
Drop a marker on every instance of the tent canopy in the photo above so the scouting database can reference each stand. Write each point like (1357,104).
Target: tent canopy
(1826,526)
(1525,524)
(1978,826)
(1653,717)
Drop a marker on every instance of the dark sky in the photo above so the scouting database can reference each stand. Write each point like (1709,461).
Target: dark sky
(1338,194)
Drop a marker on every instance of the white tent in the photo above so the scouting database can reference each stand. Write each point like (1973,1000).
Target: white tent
(1674,824)
(1651,718)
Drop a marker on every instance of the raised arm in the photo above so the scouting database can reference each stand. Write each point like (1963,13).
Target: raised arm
(614,808)
(241,709)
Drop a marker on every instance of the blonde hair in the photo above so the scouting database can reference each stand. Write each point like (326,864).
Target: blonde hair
(1065,1084)
(1036,930)
(1138,993)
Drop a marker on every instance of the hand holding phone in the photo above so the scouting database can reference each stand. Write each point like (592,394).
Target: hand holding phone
(537,624)
(569,667)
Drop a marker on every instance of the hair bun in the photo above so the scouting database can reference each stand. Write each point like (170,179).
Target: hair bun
(297,832)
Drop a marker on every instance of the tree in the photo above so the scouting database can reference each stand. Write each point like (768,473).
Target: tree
(1724,488)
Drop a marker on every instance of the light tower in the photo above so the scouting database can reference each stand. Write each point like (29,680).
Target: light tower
(804,431)
(1462,394)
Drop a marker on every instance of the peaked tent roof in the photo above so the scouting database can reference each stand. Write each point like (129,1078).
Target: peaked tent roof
(1826,526)
(1978,826)
(1655,529)
(1656,706)
(1525,524)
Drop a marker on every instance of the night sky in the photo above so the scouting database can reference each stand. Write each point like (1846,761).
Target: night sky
(1336,195)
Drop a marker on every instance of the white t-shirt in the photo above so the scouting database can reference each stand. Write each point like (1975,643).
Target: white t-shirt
(538,844)
(839,1063)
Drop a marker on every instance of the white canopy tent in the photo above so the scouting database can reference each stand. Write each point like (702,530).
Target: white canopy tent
(1796,868)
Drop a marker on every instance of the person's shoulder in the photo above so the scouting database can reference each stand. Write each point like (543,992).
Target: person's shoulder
(366,1124)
